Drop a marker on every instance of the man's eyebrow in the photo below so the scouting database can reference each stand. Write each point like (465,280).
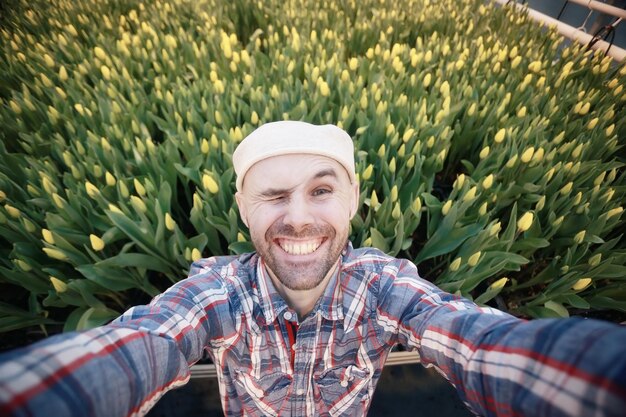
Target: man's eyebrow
(274,192)
(326,173)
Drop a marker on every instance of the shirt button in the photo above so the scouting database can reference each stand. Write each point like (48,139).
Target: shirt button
(293,347)
(344,383)
(300,391)
(287,315)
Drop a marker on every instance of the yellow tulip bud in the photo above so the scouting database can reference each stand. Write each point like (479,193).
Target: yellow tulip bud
(110,179)
(367,174)
(427,79)
(535,66)
(374,201)
(458,183)
(392,164)
(495,229)
(483,209)
(138,204)
(353,64)
(58,285)
(609,130)
(91,189)
(408,134)
(100,54)
(12,211)
(454,265)
(396,213)
(170,224)
(115,209)
(141,190)
(541,203)
(394,193)
(96,243)
(23,265)
(558,221)
(209,184)
(471,110)
(584,108)
(446,207)
(363,101)
(580,236)
(417,204)
(499,284)
(499,137)
(411,162)
(473,260)
(484,152)
(525,221)
(558,138)
(488,182)
(47,236)
(55,254)
(614,212)
(581,284)
(444,89)
(527,155)
(595,259)
(106,72)
(324,89)
(567,188)
(592,123)
(195,254)
(48,60)
(471,194)
(63,73)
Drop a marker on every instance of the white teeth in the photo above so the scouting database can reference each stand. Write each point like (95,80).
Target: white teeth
(300,248)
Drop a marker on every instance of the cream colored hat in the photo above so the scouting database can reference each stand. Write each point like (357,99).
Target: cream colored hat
(293,137)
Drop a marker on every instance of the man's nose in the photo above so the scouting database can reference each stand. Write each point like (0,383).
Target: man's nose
(299,213)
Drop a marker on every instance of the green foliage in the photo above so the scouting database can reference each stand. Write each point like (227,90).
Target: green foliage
(488,152)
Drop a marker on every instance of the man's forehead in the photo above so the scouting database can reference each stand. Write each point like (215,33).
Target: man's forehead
(295,168)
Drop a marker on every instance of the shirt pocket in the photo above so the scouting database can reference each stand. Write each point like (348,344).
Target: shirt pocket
(345,390)
(262,396)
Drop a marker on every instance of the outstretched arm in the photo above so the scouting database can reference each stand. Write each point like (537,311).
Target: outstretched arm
(120,369)
(504,366)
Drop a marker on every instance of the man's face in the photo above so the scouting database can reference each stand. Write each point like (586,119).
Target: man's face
(298,209)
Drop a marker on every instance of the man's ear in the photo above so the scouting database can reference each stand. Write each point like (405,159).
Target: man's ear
(242,207)
(355,199)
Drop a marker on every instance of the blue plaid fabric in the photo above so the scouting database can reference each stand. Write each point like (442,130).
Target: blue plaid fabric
(228,306)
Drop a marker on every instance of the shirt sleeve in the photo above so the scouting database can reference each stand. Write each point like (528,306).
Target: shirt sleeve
(120,369)
(505,366)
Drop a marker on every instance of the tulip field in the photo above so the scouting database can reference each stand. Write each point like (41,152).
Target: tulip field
(490,151)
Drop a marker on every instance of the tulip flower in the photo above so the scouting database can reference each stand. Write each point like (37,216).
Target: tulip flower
(454,265)
(96,242)
(524,223)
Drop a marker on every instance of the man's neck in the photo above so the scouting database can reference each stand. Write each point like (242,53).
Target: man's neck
(302,301)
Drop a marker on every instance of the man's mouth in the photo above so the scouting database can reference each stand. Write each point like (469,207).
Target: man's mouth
(300,247)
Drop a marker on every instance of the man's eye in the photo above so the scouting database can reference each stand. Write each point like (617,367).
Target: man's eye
(321,191)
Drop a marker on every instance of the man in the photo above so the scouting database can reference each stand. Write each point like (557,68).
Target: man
(303,326)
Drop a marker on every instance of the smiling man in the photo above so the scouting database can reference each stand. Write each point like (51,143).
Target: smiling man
(303,326)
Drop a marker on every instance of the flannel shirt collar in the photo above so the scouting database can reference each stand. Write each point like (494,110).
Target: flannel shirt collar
(332,305)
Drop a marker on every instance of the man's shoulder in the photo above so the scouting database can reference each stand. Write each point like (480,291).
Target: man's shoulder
(224,267)
(371,259)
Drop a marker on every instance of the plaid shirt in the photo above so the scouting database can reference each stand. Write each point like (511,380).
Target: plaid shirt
(500,365)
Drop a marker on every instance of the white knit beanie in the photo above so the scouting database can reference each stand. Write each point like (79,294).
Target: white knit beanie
(293,137)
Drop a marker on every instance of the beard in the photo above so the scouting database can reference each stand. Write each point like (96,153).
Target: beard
(300,275)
